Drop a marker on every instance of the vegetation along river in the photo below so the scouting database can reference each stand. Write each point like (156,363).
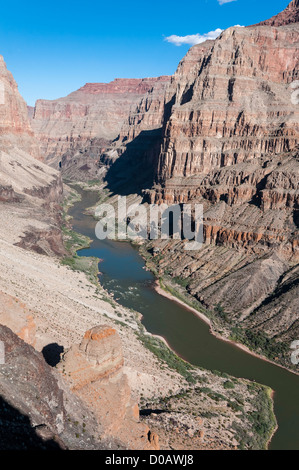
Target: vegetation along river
(123,274)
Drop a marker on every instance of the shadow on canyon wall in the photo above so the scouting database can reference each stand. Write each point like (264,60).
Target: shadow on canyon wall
(296,217)
(135,169)
(17,433)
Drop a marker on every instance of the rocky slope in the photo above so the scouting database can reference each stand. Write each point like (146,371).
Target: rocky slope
(86,402)
(47,308)
(30,191)
(231,143)
(287,16)
(38,410)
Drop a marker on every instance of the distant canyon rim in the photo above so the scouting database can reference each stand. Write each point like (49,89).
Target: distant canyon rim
(196,137)
(221,132)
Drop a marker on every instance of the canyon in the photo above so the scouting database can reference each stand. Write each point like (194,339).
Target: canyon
(76,131)
(195,137)
(66,341)
(237,154)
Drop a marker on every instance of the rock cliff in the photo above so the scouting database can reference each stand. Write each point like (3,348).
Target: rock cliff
(30,191)
(78,129)
(213,124)
(223,131)
(287,16)
(39,411)
(95,371)
(14,121)
(230,142)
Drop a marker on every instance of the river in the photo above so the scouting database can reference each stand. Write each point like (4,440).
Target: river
(123,274)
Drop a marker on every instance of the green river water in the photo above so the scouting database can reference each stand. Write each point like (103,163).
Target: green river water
(123,274)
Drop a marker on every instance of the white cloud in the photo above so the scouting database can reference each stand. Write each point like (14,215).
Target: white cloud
(221,2)
(193,39)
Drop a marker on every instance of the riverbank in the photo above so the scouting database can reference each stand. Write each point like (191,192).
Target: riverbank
(163,291)
(166,355)
(271,393)
(268,391)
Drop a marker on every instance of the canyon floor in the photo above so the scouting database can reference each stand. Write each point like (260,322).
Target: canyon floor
(47,303)
(82,372)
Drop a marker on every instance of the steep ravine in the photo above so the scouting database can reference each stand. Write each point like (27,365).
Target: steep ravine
(48,309)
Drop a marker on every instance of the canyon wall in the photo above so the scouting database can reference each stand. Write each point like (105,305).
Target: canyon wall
(30,191)
(230,142)
(213,123)
(13,110)
(77,130)
(236,151)
(40,410)
(223,131)
(287,16)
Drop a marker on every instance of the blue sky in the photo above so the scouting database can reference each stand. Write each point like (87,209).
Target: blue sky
(52,48)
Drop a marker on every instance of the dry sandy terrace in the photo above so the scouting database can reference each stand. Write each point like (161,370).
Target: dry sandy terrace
(47,303)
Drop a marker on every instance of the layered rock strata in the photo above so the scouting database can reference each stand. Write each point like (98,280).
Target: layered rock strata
(78,129)
(95,371)
(287,16)
(230,142)
(30,191)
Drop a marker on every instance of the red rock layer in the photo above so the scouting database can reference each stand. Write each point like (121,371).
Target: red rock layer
(14,120)
(289,15)
(213,123)
(90,118)
(123,86)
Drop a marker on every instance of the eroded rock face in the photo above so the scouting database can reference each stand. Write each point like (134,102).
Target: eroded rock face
(102,347)
(213,123)
(29,190)
(37,408)
(87,120)
(94,370)
(24,377)
(13,109)
(99,355)
(278,315)
(14,120)
(148,114)
(230,142)
(287,16)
